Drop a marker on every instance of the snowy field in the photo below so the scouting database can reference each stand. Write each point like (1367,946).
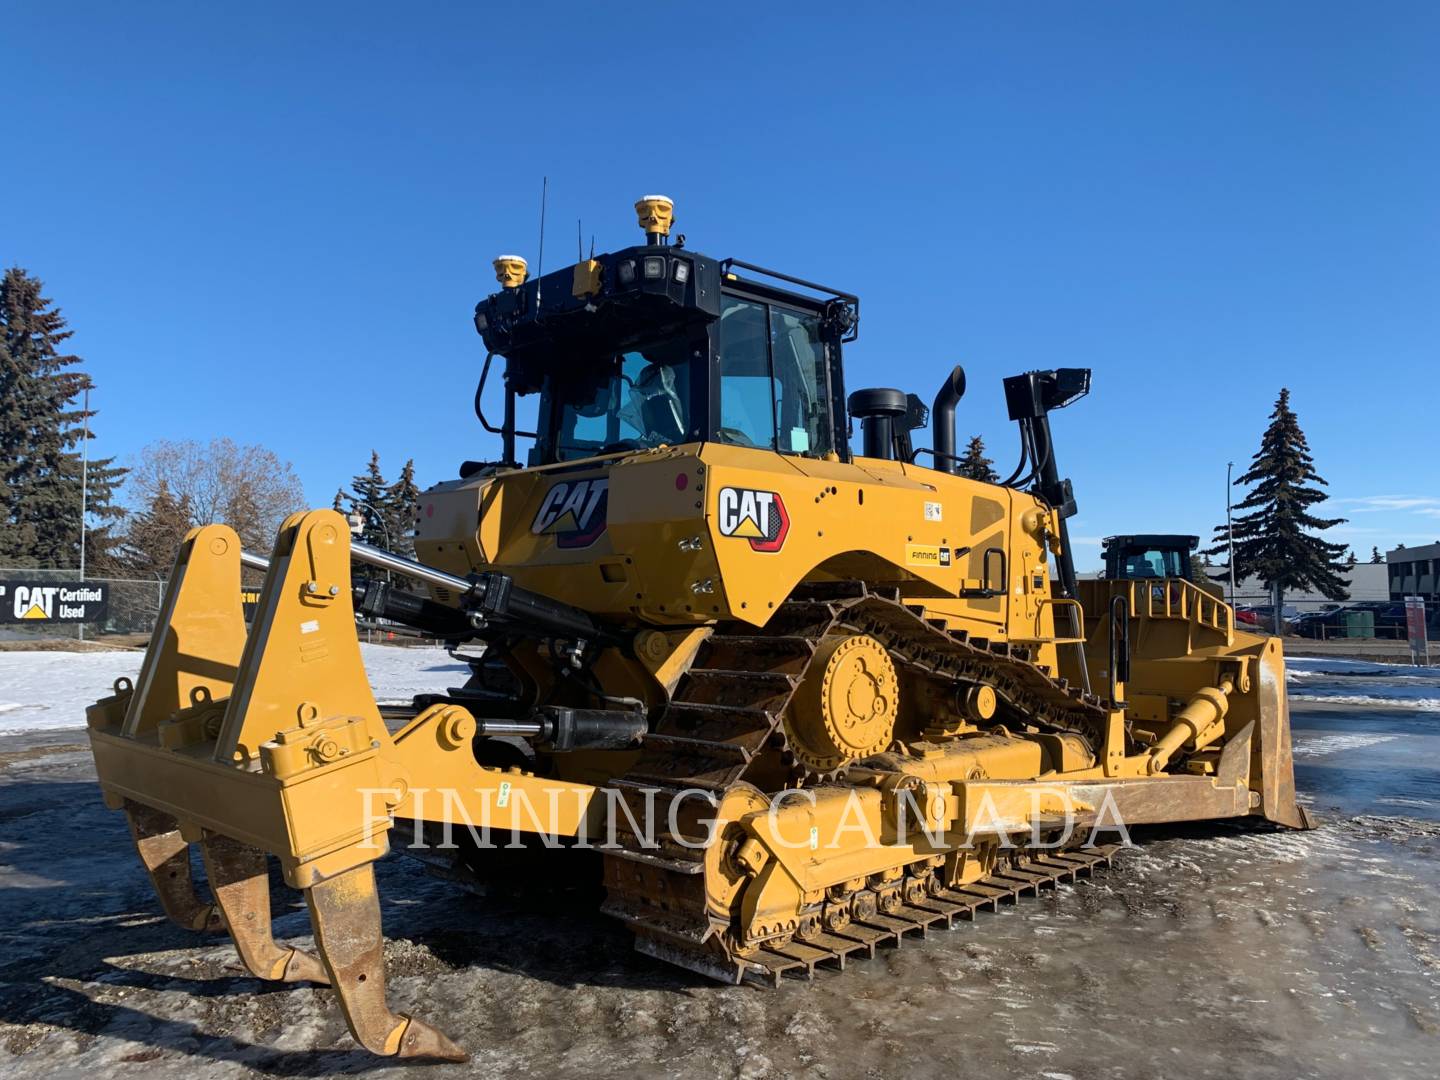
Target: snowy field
(1220,951)
(48,691)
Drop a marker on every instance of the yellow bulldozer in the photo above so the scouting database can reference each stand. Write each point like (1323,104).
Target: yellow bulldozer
(796,699)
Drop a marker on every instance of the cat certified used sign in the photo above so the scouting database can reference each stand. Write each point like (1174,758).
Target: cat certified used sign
(757,516)
(67,602)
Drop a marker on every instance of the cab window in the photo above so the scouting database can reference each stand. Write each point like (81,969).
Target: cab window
(633,401)
(1152,564)
(773,384)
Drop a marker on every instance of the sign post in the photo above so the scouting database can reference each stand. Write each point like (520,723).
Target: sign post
(1415,628)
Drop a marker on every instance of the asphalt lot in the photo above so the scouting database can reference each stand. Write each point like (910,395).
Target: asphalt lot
(1219,951)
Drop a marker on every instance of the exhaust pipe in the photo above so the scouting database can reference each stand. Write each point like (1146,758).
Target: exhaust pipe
(942,420)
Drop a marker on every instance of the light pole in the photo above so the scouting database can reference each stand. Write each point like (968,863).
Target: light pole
(84,491)
(1230,531)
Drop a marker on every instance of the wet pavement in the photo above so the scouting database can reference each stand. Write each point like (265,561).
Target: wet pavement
(1217,951)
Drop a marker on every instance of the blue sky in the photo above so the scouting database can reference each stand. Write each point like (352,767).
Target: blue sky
(272,221)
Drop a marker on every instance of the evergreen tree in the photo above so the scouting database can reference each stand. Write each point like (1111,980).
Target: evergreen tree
(40,435)
(1351,560)
(1375,556)
(369,497)
(338,504)
(975,465)
(1274,535)
(154,534)
(402,500)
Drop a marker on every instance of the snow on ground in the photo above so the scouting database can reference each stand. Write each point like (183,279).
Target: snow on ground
(1363,684)
(1335,744)
(48,691)
(1302,667)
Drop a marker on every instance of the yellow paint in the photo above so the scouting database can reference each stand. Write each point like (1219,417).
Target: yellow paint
(586,278)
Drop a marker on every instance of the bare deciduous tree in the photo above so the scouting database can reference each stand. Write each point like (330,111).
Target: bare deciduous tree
(248,488)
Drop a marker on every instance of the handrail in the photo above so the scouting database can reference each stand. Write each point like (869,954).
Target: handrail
(1174,598)
(1058,601)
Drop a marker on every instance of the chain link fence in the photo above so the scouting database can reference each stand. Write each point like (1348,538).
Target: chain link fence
(1365,618)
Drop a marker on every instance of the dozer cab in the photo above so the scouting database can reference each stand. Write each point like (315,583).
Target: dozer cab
(1140,556)
(799,698)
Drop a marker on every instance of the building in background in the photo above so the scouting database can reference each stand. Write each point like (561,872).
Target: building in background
(1414,572)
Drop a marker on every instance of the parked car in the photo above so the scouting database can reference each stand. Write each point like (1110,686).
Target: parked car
(1387,618)
(1261,616)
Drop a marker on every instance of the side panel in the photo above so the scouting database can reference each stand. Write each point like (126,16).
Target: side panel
(683,535)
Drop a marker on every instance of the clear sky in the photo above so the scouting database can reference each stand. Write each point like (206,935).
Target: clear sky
(271,221)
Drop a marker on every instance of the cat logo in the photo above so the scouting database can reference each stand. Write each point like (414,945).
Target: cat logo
(573,512)
(757,516)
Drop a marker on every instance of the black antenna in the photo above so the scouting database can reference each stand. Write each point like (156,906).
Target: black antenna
(592,245)
(579,243)
(540,261)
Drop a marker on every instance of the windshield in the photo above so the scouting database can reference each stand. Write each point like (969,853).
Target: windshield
(630,401)
(1151,564)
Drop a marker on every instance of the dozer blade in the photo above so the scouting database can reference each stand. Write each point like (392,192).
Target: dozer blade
(345,911)
(240,880)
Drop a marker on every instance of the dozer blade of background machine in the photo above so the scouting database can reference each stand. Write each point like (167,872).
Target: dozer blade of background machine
(1183,646)
(272,744)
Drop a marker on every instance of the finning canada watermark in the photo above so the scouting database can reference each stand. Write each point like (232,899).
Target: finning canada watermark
(1039,817)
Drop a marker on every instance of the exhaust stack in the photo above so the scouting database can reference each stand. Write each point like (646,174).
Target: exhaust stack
(943,420)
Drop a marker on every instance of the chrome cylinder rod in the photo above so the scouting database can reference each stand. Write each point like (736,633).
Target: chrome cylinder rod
(387,560)
(255,562)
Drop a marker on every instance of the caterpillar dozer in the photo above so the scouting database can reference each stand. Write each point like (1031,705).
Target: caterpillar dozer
(794,699)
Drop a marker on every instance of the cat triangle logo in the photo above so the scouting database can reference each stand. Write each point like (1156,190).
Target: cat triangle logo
(748,528)
(35,612)
(573,512)
(756,516)
(564,523)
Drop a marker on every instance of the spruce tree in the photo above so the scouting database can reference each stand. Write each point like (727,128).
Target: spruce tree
(369,498)
(1275,533)
(975,465)
(402,500)
(1350,559)
(1200,568)
(40,434)
(1375,556)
